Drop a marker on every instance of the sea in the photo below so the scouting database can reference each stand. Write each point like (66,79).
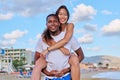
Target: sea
(115,75)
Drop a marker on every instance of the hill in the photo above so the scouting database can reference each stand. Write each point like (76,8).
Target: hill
(113,61)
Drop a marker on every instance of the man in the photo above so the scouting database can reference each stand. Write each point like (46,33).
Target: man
(57,63)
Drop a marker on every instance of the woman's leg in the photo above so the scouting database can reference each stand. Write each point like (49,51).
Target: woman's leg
(75,67)
(39,65)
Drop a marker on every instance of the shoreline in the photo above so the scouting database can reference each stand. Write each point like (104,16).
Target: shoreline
(88,75)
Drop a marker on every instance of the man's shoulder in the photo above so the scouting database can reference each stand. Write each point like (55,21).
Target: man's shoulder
(40,40)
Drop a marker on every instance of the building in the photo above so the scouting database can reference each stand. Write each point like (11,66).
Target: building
(15,54)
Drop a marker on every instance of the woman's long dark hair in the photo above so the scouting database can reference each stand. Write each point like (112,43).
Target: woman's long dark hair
(46,34)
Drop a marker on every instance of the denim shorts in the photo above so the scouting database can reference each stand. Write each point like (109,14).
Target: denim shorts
(67,77)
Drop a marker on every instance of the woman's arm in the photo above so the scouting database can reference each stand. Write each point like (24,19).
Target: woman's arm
(67,37)
(52,42)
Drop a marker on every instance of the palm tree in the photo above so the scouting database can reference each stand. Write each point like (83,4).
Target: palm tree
(23,58)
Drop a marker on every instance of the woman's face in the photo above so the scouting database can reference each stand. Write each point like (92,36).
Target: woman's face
(63,16)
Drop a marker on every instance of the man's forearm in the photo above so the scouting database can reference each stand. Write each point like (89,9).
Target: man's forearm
(64,71)
(46,72)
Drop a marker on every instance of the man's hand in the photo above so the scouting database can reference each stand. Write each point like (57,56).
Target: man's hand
(59,74)
(56,73)
(62,72)
(53,72)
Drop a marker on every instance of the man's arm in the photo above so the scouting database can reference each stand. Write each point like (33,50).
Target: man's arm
(80,54)
(52,73)
(56,73)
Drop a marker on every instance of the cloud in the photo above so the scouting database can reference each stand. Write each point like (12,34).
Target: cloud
(6,16)
(90,27)
(106,12)
(38,36)
(83,13)
(9,39)
(4,43)
(87,38)
(29,7)
(77,31)
(112,29)
(15,34)
(34,41)
(94,48)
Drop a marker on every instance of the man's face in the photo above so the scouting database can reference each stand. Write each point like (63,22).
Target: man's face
(53,23)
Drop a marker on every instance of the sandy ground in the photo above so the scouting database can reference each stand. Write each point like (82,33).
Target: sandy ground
(84,76)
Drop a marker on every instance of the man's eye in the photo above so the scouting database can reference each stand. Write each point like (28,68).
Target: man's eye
(55,21)
(49,21)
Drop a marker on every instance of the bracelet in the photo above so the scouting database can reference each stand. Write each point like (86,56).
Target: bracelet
(48,49)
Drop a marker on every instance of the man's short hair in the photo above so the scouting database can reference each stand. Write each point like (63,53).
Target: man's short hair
(52,15)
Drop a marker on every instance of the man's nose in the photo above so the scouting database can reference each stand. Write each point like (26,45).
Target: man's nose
(53,23)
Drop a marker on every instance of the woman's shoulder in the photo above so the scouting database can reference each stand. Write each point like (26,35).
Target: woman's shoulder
(70,24)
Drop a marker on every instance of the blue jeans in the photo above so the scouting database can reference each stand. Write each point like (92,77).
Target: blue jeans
(67,77)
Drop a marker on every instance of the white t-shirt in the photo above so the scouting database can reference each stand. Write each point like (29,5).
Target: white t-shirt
(56,59)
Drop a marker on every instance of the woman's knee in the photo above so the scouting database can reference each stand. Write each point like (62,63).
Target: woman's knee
(73,60)
(39,64)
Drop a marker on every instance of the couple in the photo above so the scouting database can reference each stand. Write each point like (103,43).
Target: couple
(53,56)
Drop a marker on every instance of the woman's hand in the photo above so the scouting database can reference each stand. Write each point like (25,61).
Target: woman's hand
(45,52)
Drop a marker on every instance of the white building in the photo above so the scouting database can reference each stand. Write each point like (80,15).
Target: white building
(15,54)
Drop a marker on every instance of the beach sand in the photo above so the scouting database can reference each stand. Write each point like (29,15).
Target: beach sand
(84,76)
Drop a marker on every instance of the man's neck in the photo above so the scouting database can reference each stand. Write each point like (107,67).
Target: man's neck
(55,33)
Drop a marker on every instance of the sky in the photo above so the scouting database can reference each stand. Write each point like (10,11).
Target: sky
(97,23)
